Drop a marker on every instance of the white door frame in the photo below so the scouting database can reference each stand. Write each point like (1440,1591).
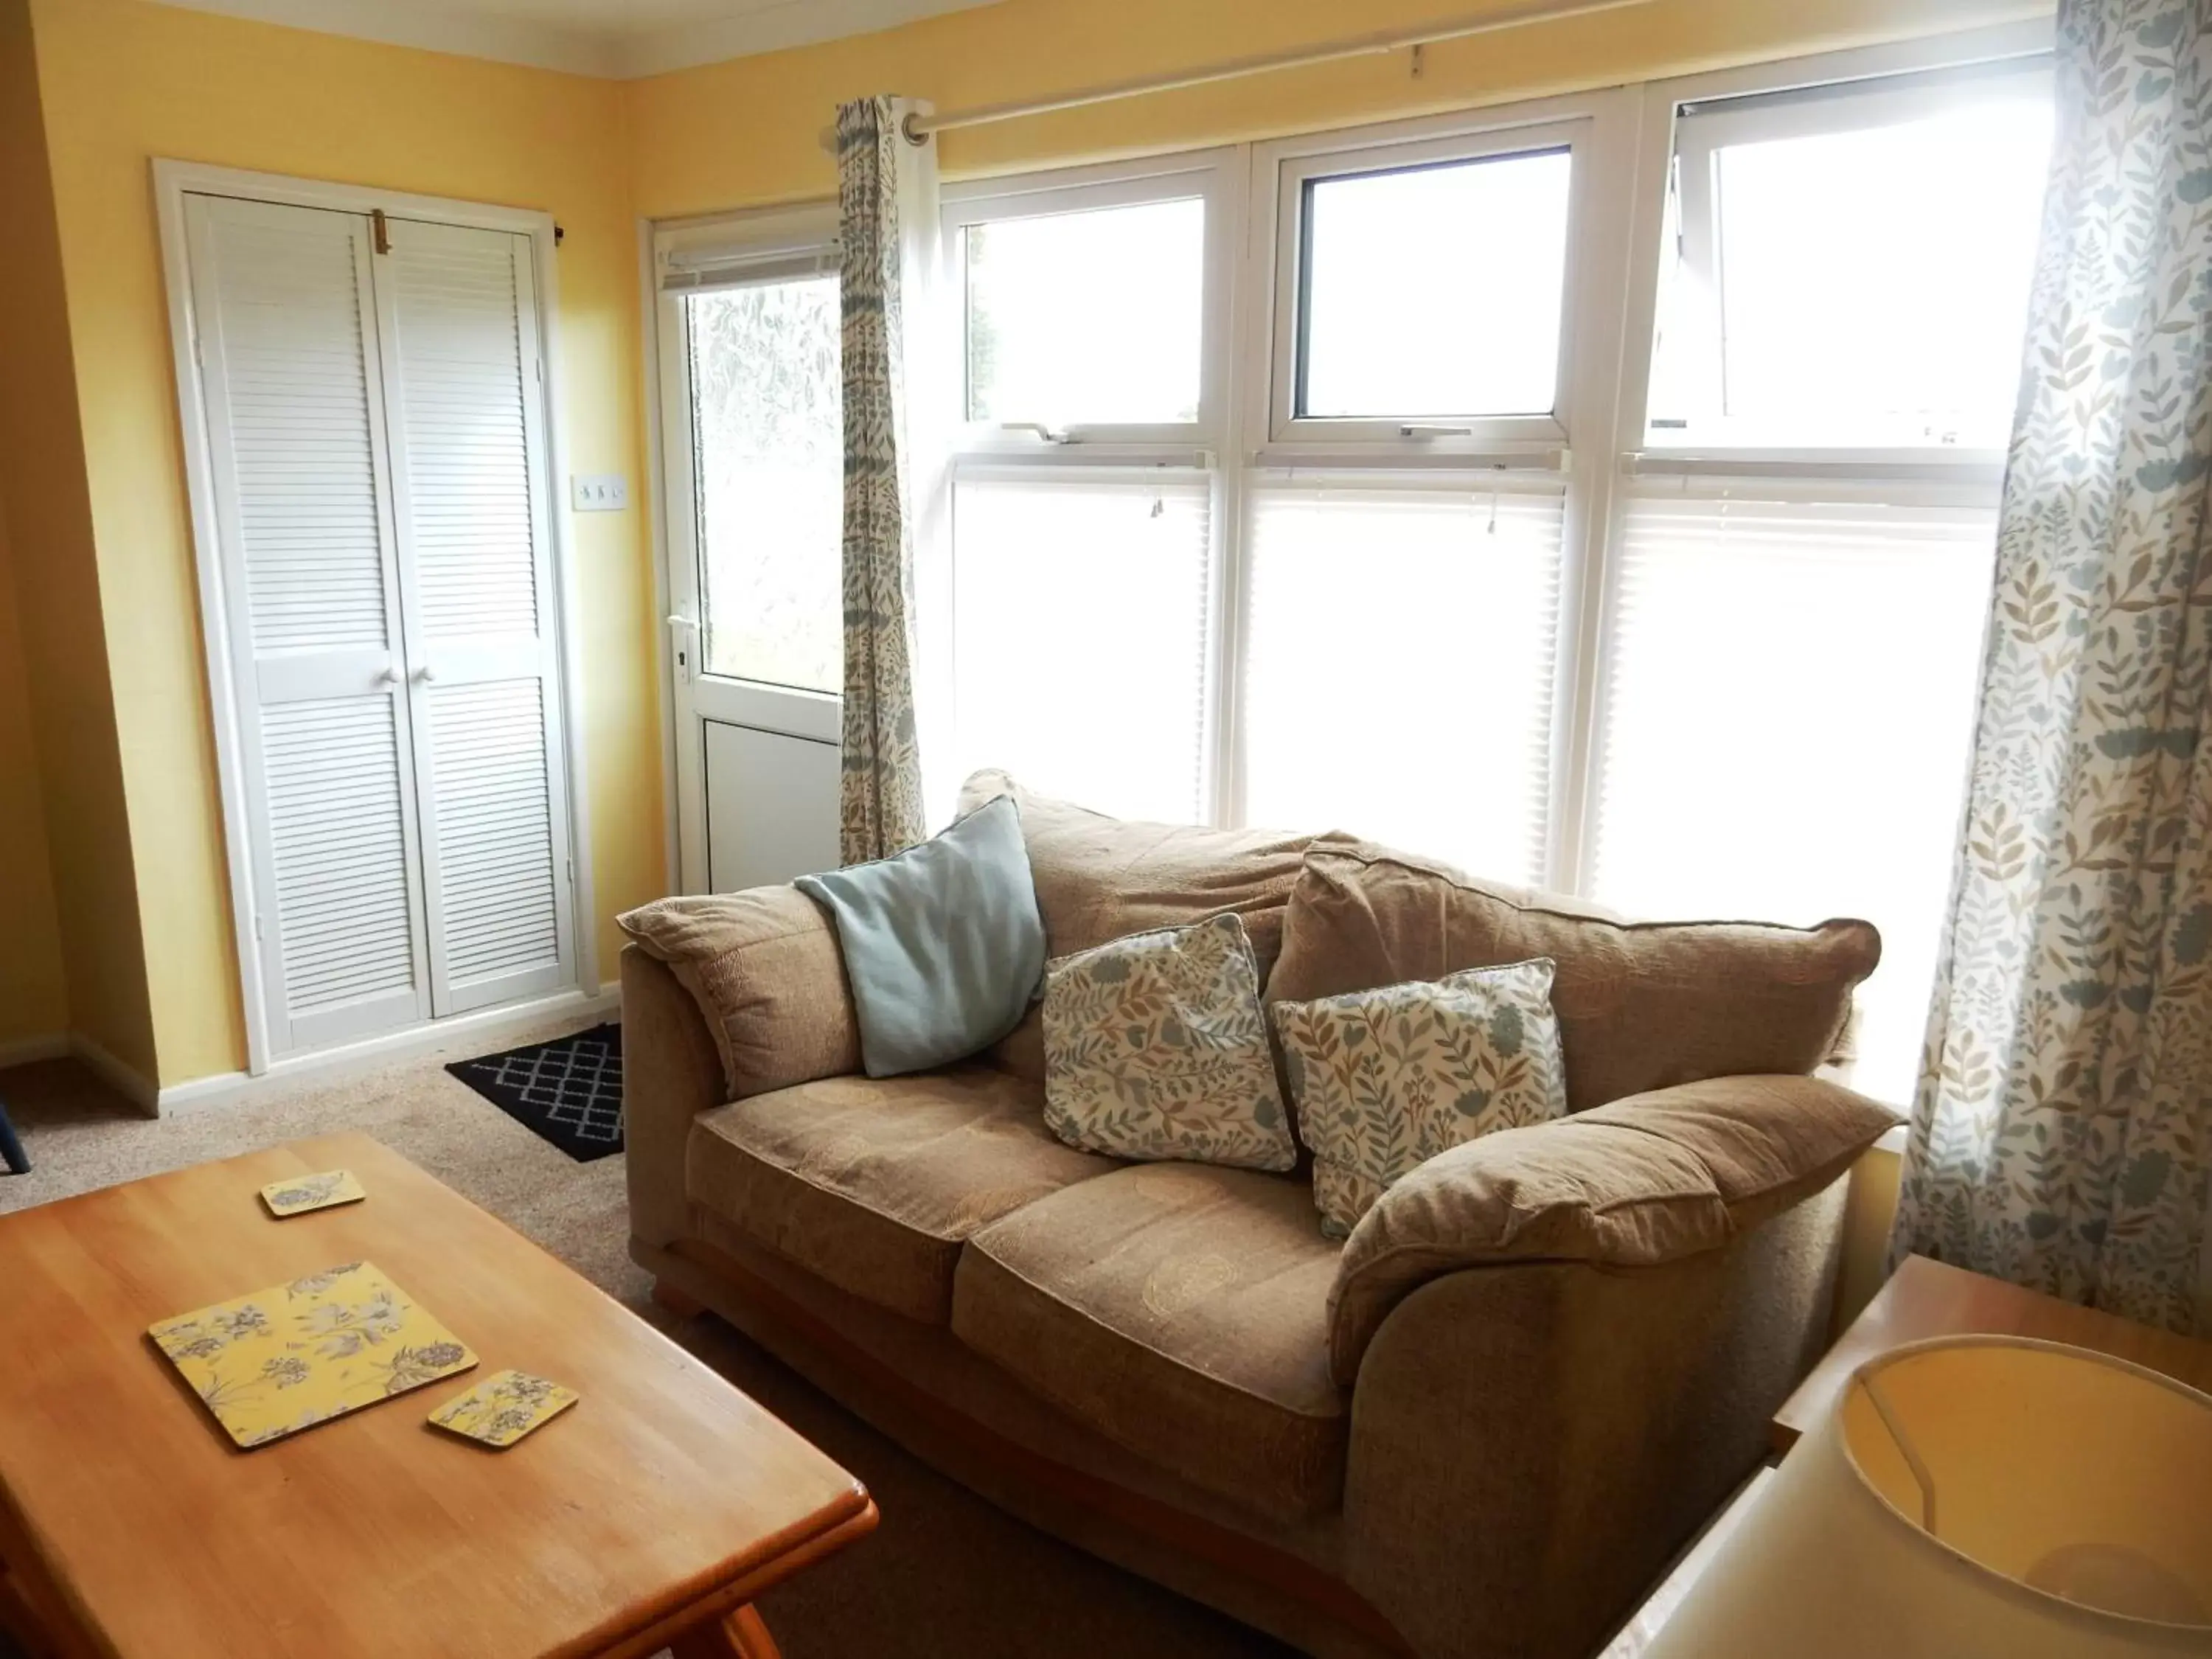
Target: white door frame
(172,182)
(811,716)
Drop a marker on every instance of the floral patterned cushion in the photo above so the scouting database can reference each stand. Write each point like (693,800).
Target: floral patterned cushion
(1156,1047)
(1383,1081)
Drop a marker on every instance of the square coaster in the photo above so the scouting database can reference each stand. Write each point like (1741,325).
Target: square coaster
(503,1407)
(294,1355)
(312,1192)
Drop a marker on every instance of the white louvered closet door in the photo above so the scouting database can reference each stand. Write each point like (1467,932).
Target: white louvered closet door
(458,324)
(287,338)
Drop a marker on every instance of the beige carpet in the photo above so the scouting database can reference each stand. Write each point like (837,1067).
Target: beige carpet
(945,1574)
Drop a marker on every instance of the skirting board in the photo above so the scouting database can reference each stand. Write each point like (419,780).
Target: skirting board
(23,1050)
(488,1027)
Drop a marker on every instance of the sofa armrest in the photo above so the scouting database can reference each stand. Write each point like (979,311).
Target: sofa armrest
(765,967)
(1532,1441)
(1640,1183)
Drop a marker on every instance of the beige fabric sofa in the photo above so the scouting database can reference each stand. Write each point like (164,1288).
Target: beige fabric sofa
(1477,1428)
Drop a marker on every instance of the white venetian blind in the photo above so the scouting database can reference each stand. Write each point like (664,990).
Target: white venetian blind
(1790,706)
(1398,677)
(1079,606)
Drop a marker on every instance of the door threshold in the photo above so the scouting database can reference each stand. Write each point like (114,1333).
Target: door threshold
(466,1035)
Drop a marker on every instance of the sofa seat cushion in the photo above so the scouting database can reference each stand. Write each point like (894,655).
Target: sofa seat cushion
(1180,1310)
(872,1184)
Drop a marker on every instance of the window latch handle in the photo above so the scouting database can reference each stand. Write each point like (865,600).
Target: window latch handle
(1435,432)
(1038,427)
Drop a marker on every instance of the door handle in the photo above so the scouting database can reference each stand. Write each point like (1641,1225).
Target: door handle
(686,641)
(388,675)
(426,673)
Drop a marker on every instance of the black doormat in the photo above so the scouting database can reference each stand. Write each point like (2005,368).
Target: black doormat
(568,1091)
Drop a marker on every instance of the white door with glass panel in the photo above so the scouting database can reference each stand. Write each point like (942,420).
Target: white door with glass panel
(752,441)
(377,456)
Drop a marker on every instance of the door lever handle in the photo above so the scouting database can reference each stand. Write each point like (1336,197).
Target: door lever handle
(426,673)
(388,675)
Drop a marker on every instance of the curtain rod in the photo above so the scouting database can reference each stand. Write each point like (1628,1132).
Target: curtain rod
(918,127)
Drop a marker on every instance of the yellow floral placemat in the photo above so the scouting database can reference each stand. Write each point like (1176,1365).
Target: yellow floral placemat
(301,1193)
(503,1407)
(294,1355)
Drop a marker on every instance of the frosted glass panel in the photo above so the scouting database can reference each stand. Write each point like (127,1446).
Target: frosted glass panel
(1789,710)
(1398,679)
(1080,639)
(1436,290)
(1087,317)
(767,441)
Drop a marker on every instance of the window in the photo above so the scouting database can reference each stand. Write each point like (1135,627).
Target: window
(1069,616)
(1434,290)
(1791,668)
(1080,615)
(1398,682)
(1091,317)
(1596,512)
(766,442)
(1854,263)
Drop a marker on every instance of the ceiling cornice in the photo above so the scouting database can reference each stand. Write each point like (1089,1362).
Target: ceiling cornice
(613,54)
(772,28)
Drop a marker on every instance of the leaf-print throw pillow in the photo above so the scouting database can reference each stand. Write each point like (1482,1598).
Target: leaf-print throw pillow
(1383,1081)
(1156,1046)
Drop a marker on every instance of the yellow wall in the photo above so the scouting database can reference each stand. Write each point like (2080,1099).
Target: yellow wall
(34,994)
(125,81)
(56,589)
(1868,1212)
(745,132)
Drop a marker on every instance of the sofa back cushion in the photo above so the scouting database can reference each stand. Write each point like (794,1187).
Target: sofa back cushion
(1100,878)
(1641,1006)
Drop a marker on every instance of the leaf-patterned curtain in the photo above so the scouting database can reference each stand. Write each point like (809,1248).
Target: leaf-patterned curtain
(879,789)
(2062,1136)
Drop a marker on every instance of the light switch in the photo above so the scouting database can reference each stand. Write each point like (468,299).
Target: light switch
(599,492)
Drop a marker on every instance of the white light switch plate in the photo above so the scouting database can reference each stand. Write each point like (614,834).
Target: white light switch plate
(599,492)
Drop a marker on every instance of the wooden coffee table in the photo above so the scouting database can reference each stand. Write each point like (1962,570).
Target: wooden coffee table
(650,1514)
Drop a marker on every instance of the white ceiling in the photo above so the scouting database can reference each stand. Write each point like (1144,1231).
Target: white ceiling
(618,39)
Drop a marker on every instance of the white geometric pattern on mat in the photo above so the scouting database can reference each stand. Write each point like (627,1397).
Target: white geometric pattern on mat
(577,1085)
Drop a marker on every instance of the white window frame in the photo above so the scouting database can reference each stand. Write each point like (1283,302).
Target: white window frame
(1425,436)
(741,249)
(1713,444)
(771,245)
(1210,175)
(1601,130)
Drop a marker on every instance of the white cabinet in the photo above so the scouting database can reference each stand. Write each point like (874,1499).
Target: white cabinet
(378,469)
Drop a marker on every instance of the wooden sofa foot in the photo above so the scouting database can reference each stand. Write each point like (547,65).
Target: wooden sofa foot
(684,1306)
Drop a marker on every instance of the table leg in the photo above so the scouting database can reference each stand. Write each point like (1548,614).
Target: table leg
(741,1633)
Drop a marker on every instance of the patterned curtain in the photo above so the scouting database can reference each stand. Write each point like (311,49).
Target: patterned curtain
(880,790)
(2061,1137)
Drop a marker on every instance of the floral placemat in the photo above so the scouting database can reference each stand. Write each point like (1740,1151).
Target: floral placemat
(322,1191)
(294,1355)
(503,1407)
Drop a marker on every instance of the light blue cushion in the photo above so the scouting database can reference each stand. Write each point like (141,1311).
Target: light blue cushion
(943,944)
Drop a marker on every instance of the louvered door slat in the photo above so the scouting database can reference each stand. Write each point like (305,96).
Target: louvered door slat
(293,379)
(457,322)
